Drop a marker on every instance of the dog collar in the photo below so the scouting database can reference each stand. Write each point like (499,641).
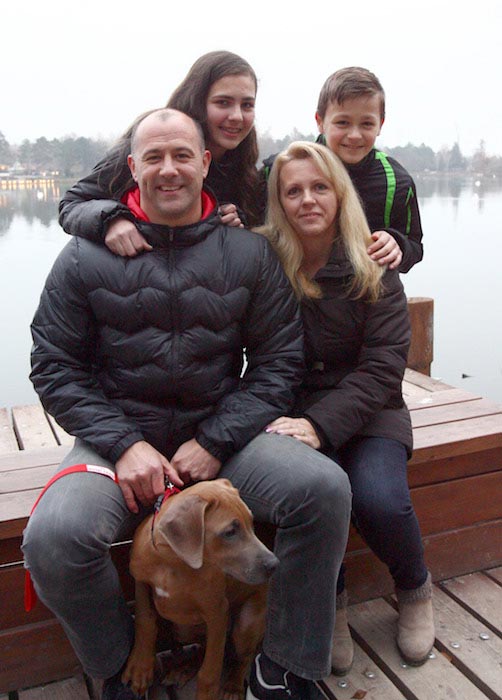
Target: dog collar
(171,490)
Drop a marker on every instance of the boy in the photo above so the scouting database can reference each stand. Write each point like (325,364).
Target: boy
(350,113)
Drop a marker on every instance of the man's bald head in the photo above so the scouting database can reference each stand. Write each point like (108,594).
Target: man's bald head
(168,162)
(163,115)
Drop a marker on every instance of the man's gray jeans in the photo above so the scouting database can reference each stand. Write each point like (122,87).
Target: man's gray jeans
(284,482)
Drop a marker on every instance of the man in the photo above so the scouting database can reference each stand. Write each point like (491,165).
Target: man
(141,360)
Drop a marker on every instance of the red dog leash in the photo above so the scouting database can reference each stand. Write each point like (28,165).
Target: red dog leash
(30,596)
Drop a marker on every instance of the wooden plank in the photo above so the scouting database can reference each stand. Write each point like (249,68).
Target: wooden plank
(448,468)
(495,574)
(460,503)
(440,398)
(412,392)
(374,627)
(453,412)
(420,352)
(15,508)
(68,689)
(464,550)
(481,594)
(451,439)
(34,655)
(10,551)
(15,512)
(458,635)
(32,427)
(8,442)
(34,458)
(12,612)
(17,480)
(365,680)
(62,437)
(424,381)
(447,554)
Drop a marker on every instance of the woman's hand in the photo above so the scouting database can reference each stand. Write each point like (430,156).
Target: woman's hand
(229,215)
(123,238)
(385,250)
(299,428)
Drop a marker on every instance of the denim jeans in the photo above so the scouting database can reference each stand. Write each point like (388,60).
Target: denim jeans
(382,510)
(303,492)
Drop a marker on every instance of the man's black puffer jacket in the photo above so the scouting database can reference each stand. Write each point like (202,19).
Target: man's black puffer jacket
(150,348)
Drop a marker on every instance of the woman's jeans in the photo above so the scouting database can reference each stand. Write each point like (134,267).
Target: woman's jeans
(382,510)
(284,482)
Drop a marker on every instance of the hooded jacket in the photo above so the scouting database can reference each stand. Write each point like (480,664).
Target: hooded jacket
(151,347)
(389,197)
(356,354)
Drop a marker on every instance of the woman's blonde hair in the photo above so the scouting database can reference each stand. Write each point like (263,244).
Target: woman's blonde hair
(351,224)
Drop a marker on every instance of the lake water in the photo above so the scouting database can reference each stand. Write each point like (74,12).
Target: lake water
(462,222)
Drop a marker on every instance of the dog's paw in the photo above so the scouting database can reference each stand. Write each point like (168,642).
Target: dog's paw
(180,666)
(138,673)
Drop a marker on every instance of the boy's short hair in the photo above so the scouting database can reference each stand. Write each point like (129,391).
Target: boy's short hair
(348,83)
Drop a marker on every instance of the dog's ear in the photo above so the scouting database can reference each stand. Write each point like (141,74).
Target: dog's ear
(182,527)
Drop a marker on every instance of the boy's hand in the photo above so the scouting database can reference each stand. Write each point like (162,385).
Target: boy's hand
(123,238)
(385,250)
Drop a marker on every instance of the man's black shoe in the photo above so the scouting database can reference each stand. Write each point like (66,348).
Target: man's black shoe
(114,689)
(269,681)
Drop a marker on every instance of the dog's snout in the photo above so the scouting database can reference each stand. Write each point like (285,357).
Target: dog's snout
(271,564)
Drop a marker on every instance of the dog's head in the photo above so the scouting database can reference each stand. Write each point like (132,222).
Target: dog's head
(208,523)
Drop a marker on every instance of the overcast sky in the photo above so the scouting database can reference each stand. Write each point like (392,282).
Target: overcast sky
(89,68)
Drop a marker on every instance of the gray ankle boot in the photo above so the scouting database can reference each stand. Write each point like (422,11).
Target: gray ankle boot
(415,626)
(342,649)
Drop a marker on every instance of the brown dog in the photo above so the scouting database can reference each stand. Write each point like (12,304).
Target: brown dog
(199,561)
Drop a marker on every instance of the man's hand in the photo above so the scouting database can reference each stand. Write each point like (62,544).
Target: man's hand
(193,463)
(123,238)
(385,250)
(140,471)
(229,215)
(299,428)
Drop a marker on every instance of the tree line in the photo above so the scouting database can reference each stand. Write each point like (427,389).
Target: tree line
(69,157)
(72,156)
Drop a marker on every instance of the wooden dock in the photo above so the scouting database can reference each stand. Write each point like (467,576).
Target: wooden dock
(456,485)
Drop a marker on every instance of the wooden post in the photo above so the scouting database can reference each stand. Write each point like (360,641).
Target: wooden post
(420,355)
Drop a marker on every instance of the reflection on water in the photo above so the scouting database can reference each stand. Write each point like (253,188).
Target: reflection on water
(30,240)
(454,188)
(37,203)
(462,222)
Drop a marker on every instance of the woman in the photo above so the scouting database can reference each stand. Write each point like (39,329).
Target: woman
(219,91)
(351,406)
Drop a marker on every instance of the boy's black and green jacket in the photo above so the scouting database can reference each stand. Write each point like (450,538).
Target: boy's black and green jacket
(389,199)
